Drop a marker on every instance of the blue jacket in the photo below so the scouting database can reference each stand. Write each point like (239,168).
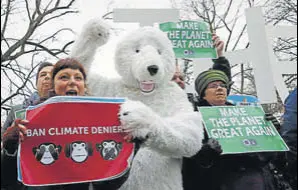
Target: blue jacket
(289,126)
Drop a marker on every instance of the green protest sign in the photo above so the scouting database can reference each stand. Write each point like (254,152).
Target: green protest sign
(242,129)
(21,114)
(190,39)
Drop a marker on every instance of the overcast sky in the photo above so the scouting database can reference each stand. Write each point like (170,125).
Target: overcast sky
(104,62)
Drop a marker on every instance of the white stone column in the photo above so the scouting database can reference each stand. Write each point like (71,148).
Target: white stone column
(259,54)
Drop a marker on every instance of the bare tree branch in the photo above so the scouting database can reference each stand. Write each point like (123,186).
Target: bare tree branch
(5,19)
(30,43)
(32,27)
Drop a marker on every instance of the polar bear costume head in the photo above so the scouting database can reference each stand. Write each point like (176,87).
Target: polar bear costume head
(145,59)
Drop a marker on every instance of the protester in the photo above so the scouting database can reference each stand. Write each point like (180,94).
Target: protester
(208,170)
(221,172)
(68,79)
(287,162)
(10,135)
(211,147)
(43,84)
(212,87)
(289,126)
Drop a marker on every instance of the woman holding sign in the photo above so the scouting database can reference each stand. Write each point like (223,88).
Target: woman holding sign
(68,79)
(209,170)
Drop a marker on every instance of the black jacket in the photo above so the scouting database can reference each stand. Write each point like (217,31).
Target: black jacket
(226,172)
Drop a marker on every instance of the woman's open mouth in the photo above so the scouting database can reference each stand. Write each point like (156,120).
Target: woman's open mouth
(147,86)
(71,93)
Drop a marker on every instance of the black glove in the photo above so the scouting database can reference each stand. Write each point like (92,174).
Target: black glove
(10,139)
(210,151)
(272,118)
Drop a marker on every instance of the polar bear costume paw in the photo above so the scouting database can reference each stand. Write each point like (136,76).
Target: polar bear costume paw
(137,118)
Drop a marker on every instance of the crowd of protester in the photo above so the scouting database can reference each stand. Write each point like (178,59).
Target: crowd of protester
(208,170)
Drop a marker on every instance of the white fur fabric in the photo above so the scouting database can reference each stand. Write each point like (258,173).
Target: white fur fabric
(163,115)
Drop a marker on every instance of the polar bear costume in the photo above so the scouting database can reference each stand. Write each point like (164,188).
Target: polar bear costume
(157,109)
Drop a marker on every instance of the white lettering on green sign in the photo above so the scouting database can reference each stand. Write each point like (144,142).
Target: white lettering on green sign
(237,121)
(190,39)
(190,25)
(228,112)
(242,129)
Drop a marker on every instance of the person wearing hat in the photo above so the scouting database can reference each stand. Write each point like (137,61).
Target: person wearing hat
(212,87)
(209,170)
(9,139)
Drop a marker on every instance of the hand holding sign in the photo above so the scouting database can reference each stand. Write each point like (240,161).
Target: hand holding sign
(86,144)
(218,44)
(14,134)
(210,151)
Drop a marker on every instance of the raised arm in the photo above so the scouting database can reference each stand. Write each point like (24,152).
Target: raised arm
(94,34)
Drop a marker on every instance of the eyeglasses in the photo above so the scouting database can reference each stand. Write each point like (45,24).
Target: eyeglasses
(215,86)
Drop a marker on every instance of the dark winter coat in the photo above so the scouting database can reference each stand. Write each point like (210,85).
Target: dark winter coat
(289,127)
(9,164)
(287,162)
(226,172)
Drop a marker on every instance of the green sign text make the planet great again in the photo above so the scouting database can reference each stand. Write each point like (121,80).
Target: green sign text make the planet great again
(242,129)
(190,39)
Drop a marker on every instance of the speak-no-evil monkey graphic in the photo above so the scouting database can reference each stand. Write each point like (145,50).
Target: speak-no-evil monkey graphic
(78,151)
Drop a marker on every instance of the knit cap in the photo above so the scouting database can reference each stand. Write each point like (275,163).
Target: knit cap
(206,77)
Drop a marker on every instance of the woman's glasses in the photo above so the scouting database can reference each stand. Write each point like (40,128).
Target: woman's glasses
(215,86)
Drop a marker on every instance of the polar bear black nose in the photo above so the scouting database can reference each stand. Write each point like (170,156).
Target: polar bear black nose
(153,69)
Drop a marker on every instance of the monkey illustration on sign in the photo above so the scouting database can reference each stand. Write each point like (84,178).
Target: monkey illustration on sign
(78,151)
(109,150)
(47,153)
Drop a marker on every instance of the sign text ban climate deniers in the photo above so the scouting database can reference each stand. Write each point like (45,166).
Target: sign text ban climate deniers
(74,131)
